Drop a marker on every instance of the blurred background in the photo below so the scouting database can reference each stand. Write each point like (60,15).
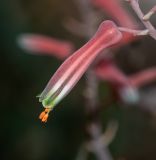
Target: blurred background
(23,76)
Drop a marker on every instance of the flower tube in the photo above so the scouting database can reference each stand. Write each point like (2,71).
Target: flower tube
(116,10)
(143,77)
(42,45)
(106,70)
(69,73)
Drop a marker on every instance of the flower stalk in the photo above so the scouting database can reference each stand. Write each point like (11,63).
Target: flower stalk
(149,14)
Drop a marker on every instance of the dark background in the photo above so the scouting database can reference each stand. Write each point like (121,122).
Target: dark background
(23,76)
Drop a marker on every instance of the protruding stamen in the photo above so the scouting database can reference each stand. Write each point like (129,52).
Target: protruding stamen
(44,115)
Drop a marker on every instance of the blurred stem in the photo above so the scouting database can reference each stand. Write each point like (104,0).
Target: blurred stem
(100,150)
(135,6)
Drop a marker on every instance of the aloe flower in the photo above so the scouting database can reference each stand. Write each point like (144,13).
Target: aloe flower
(69,73)
(116,10)
(126,86)
(42,45)
(143,77)
(108,71)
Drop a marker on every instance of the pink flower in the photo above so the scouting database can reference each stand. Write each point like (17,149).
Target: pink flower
(107,70)
(126,91)
(116,10)
(69,73)
(143,77)
(42,45)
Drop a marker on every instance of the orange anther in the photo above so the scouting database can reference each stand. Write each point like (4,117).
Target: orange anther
(44,115)
(44,119)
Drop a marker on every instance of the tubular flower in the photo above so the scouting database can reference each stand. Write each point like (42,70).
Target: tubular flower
(106,70)
(143,77)
(115,9)
(69,73)
(39,45)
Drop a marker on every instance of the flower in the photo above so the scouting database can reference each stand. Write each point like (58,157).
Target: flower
(116,10)
(143,77)
(107,70)
(126,86)
(126,90)
(69,73)
(41,45)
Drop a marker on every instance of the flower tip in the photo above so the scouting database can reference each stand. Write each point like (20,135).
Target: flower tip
(44,115)
(24,42)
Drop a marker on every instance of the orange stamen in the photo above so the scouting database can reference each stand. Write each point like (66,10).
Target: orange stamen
(45,118)
(44,115)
